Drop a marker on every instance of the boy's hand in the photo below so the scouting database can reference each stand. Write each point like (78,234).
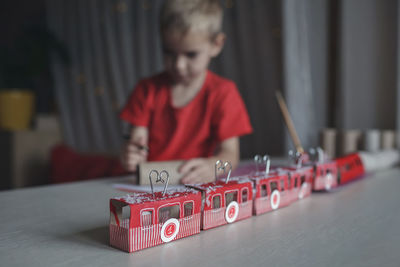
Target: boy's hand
(134,153)
(198,170)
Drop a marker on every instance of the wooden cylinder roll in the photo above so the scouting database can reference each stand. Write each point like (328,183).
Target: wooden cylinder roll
(349,141)
(328,141)
(372,140)
(388,139)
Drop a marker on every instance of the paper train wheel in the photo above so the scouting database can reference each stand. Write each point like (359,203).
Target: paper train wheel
(231,212)
(275,199)
(303,190)
(169,230)
(328,181)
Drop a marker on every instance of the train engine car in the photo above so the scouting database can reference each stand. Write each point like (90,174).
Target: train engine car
(349,167)
(330,174)
(154,218)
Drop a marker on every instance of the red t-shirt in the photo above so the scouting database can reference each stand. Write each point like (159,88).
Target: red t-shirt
(216,113)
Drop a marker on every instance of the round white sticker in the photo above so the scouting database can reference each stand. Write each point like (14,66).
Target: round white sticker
(232,211)
(275,199)
(303,190)
(328,181)
(169,230)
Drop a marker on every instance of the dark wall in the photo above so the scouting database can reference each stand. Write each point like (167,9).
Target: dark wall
(24,42)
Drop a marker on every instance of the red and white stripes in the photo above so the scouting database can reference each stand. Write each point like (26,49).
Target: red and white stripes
(320,182)
(119,237)
(213,218)
(143,237)
(189,226)
(262,205)
(245,210)
(216,217)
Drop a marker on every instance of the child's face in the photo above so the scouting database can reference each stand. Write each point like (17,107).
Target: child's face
(186,57)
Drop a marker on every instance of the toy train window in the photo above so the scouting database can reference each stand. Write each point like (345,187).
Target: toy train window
(120,214)
(126,213)
(273,186)
(146,218)
(289,181)
(168,212)
(188,209)
(303,179)
(229,197)
(216,203)
(264,191)
(296,181)
(244,195)
(282,185)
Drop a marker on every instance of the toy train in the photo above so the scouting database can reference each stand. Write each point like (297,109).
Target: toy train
(160,217)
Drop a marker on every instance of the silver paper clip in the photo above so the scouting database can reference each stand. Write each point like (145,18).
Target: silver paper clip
(265,159)
(223,166)
(159,178)
(296,157)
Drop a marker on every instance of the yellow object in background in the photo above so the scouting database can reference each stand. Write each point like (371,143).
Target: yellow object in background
(16,109)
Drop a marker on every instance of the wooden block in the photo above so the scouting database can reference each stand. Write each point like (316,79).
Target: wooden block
(170,166)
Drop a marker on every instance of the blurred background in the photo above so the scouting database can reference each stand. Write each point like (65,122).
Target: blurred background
(67,67)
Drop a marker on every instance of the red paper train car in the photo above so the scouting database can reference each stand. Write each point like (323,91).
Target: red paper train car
(225,202)
(280,187)
(150,220)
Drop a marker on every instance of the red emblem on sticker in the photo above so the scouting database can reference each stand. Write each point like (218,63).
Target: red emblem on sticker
(170,230)
(232,212)
(275,199)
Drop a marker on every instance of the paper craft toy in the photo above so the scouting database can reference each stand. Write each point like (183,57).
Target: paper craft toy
(225,201)
(154,218)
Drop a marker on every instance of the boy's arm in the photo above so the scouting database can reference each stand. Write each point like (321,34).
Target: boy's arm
(202,170)
(136,149)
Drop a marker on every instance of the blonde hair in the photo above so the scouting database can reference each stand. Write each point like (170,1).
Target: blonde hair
(191,15)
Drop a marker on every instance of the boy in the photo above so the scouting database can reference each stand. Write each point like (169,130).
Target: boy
(187,112)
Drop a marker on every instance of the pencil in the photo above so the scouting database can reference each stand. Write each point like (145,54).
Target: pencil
(141,147)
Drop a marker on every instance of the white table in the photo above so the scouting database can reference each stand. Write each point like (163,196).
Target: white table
(67,225)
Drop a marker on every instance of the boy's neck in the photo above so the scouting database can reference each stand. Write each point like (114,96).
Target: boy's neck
(183,93)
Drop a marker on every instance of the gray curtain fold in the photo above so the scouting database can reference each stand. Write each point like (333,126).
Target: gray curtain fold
(398,78)
(298,84)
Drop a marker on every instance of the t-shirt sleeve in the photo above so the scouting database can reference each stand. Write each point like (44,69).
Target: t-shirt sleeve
(138,108)
(231,118)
